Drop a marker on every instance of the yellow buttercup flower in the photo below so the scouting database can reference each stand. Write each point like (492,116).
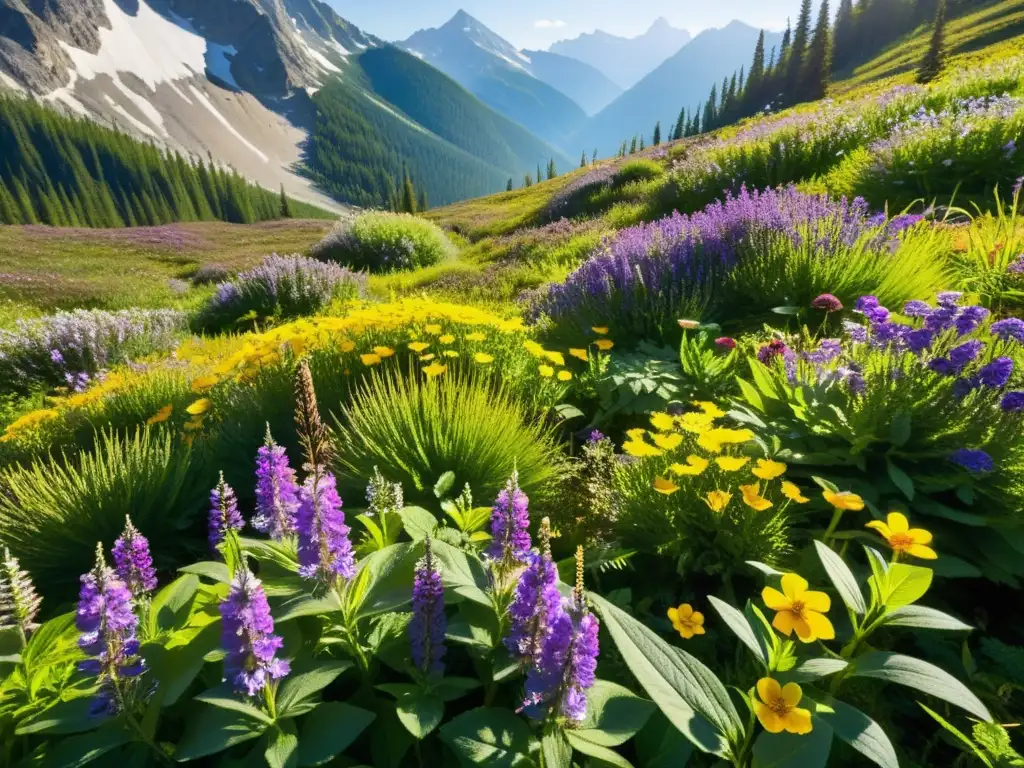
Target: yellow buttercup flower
(200,406)
(483,358)
(767,469)
(475,336)
(347,346)
(162,415)
(564,376)
(384,351)
(777,709)
(709,408)
(193,424)
(435,369)
(600,330)
(433,329)
(447,338)
(427,358)
(203,383)
(418,346)
(369,359)
(662,422)
(533,348)
(695,465)
(718,500)
(844,500)
(902,538)
(697,423)
(604,344)
(555,357)
(713,440)
(546,371)
(640,449)
(686,621)
(799,609)
(792,492)
(731,463)
(664,485)
(637,433)
(752,497)
(580,354)
(668,442)
(450,353)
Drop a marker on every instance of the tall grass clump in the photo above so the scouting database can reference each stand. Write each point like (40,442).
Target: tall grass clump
(381,242)
(415,430)
(281,287)
(52,513)
(642,169)
(68,349)
(992,264)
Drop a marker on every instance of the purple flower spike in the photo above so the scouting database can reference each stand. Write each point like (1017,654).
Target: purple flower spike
(429,623)
(961,355)
(916,308)
(949,299)
(224,514)
(968,319)
(827,302)
(510,525)
(1012,328)
(108,625)
(537,603)
(277,493)
(997,373)
(595,436)
(920,340)
(973,460)
(133,562)
(247,634)
(1012,402)
(325,550)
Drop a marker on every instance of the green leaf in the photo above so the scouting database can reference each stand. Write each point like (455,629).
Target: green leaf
(462,572)
(307,605)
(766,570)
(789,750)
(328,731)
(604,754)
(489,736)
(750,394)
(899,429)
(843,579)
(738,623)
(451,688)
(420,713)
(63,717)
(211,730)
(688,693)
(965,742)
(390,574)
(223,697)
(169,607)
(660,744)
(444,484)
(217,572)
(922,617)
(900,479)
(83,749)
(812,669)
(305,681)
(418,522)
(762,379)
(614,714)
(283,749)
(920,675)
(555,749)
(568,411)
(905,584)
(786,310)
(175,668)
(859,731)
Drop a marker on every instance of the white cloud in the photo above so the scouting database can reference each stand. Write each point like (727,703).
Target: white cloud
(549,23)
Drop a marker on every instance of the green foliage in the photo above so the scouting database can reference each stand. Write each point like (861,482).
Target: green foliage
(639,382)
(384,242)
(638,170)
(986,267)
(417,430)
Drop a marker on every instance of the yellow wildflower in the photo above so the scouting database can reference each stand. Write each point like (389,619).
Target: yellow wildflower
(200,406)
(640,449)
(718,500)
(777,708)
(800,609)
(450,353)
(193,424)
(427,358)
(370,359)
(435,369)
(162,415)
(384,351)
(844,500)
(713,440)
(483,358)
(475,336)
(546,371)
(686,621)
(600,330)
(564,376)
(695,465)
(662,422)
(731,463)
(447,339)
(203,383)
(902,538)
(580,354)
(604,344)
(637,433)
(433,329)
(347,346)
(792,492)
(533,348)
(697,423)
(668,442)
(709,408)
(665,486)
(752,497)
(418,346)
(767,469)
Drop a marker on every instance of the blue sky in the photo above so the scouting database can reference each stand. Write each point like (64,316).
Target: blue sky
(538,23)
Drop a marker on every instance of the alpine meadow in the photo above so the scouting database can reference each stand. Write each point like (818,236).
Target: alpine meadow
(636,387)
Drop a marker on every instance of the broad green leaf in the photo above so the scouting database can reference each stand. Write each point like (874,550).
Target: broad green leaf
(786,310)
(418,522)
(738,623)
(762,380)
(169,608)
(175,668)
(306,680)
(790,750)
(750,394)
(843,579)
(81,750)
(390,574)
(614,714)
(217,572)
(307,605)
(922,617)
(223,697)
(444,484)
(603,754)
(906,584)
(63,717)
(687,692)
(899,429)
(555,749)
(211,730)
(462,572)
(328,731)
(767,570)
(812,669)
(489,736)
(420,713)
(900,479)
(918,674)
(660,744)
(283,748)
(451,688)
(859,731)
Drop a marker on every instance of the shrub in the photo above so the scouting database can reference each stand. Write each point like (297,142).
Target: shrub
(384,242)
(210,273)
(281,287)
(69,348)
(415,430)
(53,513)
(638,170)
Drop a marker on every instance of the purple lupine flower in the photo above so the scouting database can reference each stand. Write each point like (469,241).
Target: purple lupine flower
(972,460)
(595,436)
(920,340)
(725,342)
(940,319)
(1010,328)
(247,635)
(429,623)
(942,366)
(917,308)
(1018,186)
(871,309)
(969,318)
(108,625)
(19,601)
(827,302)
(224,514)
(962,387)
(1017,267)
(1012,402)
(510,525)
(857,332)
(537,603)
(774,348)
(325,550)
(827,351)
(56,356)
(963,354)
(582,667)
(277,493)
(133,561)
(949,299)
(997,373)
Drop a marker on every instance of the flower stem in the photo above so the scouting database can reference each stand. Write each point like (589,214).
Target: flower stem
(836,516)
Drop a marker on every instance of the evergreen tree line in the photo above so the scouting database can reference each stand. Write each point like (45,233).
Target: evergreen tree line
(66,171)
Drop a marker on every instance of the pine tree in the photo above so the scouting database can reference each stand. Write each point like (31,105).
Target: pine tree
(509,187)
(9,212)
(710,108)
(656,139)
(286,209)
(680,126)
(593,156)
(552,170)
(527,180)
(843,35)
(934,59)
(583,159)
(407,201)
(540,177)
(632,147)
(818,66)
(421,200)
(798,52)
(642,145)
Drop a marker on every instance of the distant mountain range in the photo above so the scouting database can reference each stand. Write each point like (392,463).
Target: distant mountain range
(625,60)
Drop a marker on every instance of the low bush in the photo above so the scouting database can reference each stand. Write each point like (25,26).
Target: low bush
(382,242)
(281,287)
(638,170)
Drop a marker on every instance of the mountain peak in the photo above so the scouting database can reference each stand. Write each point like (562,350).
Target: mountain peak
(462,19)
(659,24)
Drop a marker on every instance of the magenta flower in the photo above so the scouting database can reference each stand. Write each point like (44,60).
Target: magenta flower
(429,623)
(726,342)
(325,550)
(827,302)
(277,493)
(247,634)
(133,562)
